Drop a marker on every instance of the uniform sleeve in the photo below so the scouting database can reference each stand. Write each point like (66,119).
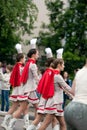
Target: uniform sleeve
(34,72)
(66,88)
(62,83)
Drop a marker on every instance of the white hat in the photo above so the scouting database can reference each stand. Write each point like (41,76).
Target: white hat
(48,52)
(59,53)
(33,43)
(18,48)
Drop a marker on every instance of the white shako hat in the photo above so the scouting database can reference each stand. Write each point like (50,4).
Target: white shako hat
(59,53)
(33,43)
(18,47)
(48,52)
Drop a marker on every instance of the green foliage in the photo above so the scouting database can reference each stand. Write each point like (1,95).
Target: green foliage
(75,25)
(16,18)
(69,24)
(49,40)
(50,37)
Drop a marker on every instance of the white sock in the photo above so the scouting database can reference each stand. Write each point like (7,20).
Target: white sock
(31,127)
(38,126)
(12,123)
(56,127)
(26,120)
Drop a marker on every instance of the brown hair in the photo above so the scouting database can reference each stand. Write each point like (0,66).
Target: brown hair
(9,67)
(49,62)
(31,52)
(58,61)
(19,56)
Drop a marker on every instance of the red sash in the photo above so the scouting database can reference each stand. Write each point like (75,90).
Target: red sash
(25,72)
(46,84)
(15,75)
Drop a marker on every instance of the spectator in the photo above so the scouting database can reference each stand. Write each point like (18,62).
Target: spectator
(5,89)
(76,110)
(69,82)
(1,70)
(4,66)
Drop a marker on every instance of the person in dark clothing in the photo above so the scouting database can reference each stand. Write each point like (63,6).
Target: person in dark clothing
(69,82)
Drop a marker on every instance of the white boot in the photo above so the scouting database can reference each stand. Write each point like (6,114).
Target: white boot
(31,127)
(38,126)
(26,121)
(6,121)
(11,124)
(56,127)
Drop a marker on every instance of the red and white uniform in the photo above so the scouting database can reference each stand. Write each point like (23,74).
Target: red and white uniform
(30,80)
(15,81)
(53,104)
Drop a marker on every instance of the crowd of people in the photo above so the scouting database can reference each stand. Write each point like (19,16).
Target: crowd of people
(47,92)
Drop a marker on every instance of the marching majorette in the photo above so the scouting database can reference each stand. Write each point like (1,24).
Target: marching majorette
(53,105)
(29,80)
(15,83)
(46,90)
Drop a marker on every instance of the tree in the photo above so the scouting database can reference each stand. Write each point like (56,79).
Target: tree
(68,25)
(75,25)
(16,18)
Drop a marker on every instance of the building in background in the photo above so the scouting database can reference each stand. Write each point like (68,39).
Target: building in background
(42,17)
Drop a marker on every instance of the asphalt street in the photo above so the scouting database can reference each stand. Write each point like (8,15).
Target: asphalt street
(19,123)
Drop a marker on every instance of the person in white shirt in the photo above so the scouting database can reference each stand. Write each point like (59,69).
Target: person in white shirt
(76,111)
(1,70)
(5,88)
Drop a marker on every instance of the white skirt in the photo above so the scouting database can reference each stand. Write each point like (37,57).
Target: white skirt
(50,106)
(33,97)
(19,95)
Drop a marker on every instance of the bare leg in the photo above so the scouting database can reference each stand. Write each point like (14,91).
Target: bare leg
(62,122)
(48,119)
(21,109)
(8,116)
(37,119)
(35,106)
(17,114)
(13,107)
(26,110)
(36,122)
(54,122)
